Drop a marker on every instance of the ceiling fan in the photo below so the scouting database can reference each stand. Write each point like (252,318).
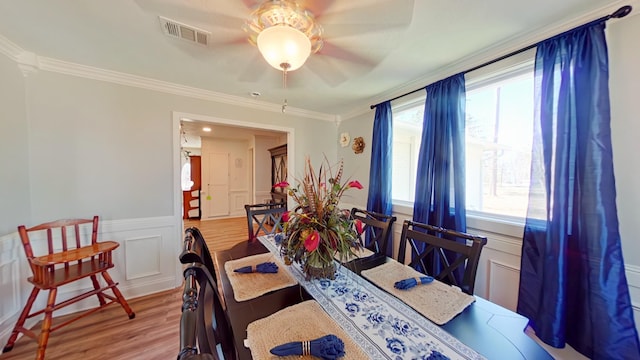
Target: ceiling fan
(344,39)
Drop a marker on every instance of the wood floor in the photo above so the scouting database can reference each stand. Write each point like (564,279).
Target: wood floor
(109,334)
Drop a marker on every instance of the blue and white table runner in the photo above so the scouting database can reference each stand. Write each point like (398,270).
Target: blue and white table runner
(384,326)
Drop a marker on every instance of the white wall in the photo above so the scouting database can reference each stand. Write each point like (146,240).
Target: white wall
(14,148)
(356,166)
(624,84)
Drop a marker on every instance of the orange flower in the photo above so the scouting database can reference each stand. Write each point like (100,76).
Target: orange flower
(312,241)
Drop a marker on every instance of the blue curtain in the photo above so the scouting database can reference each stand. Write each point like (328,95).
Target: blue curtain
(379,199)
(572,281)
(440,185)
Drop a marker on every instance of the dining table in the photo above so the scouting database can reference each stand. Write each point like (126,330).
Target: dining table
(482,330)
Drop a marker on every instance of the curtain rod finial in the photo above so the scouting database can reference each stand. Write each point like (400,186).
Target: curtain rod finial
(622,12)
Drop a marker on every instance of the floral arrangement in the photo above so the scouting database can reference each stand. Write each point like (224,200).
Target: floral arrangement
(317,229)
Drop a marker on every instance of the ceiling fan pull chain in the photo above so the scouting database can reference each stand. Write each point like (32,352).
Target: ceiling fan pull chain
(285,66)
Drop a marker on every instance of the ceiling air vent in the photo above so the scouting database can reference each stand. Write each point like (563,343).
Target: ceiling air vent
(184,32)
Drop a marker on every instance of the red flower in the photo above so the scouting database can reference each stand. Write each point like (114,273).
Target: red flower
(354,184)
(312,241)
(283,184)
(285,216)
(359,226)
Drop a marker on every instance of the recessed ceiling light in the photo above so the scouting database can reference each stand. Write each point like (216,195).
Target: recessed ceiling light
(206,129)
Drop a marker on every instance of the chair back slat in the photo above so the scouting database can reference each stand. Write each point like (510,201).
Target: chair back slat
(60,236)
(267,217)
(49,240)
(76,229)
(441,253)
(64,241)
(377,226)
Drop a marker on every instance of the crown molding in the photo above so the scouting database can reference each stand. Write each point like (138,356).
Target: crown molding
(27,61)
(94,73)
(30,63)
(9,49)
(355,113)
(504,47)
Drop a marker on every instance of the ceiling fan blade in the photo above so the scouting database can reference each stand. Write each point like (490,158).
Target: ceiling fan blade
(317,8)
(347,19)
(337,52)
(251,4)
(256,69)
(326,70)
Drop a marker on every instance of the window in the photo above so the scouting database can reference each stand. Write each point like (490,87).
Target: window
(407,132)
(499,132)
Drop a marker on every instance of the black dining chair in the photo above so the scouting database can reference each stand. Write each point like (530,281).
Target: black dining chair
(378,227)
(266,216)
(195,249)
(443,255)
(205,333)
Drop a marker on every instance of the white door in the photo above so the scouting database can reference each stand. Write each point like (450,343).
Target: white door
(215,192)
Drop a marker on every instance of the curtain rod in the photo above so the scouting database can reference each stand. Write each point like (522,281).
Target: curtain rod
(620,13)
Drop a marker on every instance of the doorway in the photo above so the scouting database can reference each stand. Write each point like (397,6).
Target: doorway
(229,127)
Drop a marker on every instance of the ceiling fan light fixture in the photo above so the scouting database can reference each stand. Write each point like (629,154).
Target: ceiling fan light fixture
(285,33)
(284,47)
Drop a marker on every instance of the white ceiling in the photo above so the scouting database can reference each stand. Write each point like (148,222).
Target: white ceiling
(374,49)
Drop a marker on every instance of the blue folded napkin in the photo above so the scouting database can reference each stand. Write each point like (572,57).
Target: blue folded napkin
(265,267)
(328,347)
(411,282)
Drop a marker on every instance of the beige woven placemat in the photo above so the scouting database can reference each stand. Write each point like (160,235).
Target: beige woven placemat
(359,253)
(437,301)
(301,322)
(252,285)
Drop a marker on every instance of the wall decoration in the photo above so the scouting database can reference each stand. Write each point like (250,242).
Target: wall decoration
(358,145)
(344,139)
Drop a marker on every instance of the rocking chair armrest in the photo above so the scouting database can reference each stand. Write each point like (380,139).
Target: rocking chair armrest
(75,254)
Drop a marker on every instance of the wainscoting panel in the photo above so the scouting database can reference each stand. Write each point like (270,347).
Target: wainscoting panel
(10,298)
(501,274)
(238,198)
(632,273)
(151,247)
